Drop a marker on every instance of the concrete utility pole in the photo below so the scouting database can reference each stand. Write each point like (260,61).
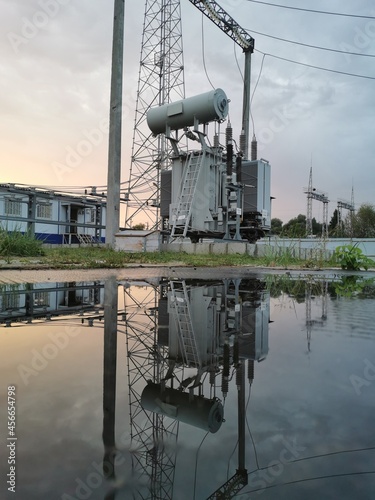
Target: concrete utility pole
(115,122)
(246,102)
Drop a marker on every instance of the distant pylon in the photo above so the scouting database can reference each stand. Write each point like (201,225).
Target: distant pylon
(314,194)
(343,204)
(161,80)
(352,212)
(309,206)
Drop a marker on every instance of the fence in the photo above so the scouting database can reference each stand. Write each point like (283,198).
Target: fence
(301,248)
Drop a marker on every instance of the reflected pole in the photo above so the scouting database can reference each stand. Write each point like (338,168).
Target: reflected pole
(109,375)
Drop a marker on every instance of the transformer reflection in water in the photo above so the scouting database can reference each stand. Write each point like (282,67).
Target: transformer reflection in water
(202,330)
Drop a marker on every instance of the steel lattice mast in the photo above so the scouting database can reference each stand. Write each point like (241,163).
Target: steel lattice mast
(161,80)
(153,438)
(348,205)
(314,194)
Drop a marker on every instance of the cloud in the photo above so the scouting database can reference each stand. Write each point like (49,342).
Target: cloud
(55,84)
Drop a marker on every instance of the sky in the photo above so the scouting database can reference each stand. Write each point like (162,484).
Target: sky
(55,63)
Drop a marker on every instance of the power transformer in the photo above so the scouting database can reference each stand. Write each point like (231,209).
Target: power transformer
(211,192)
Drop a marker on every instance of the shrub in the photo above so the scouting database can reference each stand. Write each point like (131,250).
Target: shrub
(351,257)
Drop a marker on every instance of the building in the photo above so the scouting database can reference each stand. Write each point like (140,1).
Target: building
(43,301)
(53,216)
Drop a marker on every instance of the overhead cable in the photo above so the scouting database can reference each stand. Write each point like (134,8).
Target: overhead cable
(313,11)
(305,480)
(317,67)
(313,46)
(203,56)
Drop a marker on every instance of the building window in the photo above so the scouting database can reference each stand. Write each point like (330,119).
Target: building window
(12,207)
(92,216)
(41,299)
(10,302)
(44,211)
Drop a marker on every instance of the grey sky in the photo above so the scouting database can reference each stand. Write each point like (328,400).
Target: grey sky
(55,75)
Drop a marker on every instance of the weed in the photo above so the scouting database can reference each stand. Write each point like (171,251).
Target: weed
(283,257)
(104,257)
(351,257)
(349,286)
(92,257)
(18,244)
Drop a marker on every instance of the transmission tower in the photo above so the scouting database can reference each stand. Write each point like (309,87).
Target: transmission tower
(152,436)
(347,205)
(314,194)
(160,81)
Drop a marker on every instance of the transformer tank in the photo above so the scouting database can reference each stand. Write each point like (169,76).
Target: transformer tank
(256,206)
(211,192)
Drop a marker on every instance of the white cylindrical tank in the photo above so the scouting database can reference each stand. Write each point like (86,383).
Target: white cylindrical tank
(206,414)
(205,108)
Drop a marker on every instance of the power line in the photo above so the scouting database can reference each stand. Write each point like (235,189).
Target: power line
(250,433)
(293,61)
(320,455)
(196,463)
(203,56)
(255,87)
(317,67)
(236,58)
(313,11)
(312,46)
(317,478)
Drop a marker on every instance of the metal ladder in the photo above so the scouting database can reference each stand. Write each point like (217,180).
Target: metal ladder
(84,239)
(189,183)
(181,306)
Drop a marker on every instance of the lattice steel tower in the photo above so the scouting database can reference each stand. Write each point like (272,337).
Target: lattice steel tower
(314,194)
(348,205)
(161,80)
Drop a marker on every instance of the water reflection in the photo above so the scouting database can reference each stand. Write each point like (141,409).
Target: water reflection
(109,379)
(180,363)
(45,301)
(206,371)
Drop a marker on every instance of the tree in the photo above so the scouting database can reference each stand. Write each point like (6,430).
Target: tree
(332,226)
(363,222)
(295,228)
(317,227)
(276,226)
(139,227)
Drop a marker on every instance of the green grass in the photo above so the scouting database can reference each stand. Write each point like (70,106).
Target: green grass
(102,257)
(19,244)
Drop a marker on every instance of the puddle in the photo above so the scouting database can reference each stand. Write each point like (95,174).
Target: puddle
(188,389)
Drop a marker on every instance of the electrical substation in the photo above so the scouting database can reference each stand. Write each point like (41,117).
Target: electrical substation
(216,190)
